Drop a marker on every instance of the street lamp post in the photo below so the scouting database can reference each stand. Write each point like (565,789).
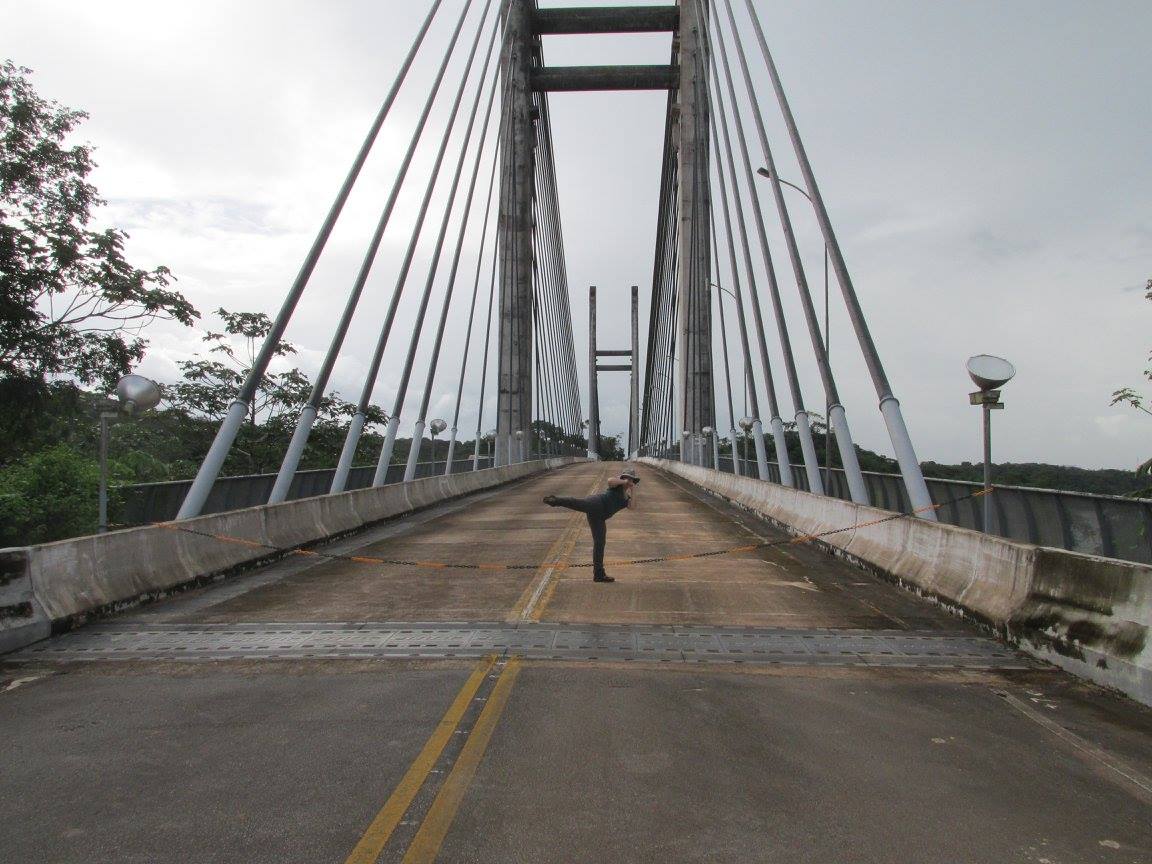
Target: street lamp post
(135,394)
(989,374)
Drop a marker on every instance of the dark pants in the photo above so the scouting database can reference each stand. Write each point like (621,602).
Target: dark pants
(593,509)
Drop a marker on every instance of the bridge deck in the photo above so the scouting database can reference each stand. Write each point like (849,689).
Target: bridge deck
(769,705)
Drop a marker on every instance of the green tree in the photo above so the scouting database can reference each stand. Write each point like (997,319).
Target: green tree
(50,495)
(70,304)
(211,382)
(1132,397)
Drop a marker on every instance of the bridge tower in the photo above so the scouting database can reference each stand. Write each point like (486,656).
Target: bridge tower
(690,136)
(521,51)
(525,80)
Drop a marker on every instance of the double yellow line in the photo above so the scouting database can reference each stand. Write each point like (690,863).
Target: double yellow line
(434,828)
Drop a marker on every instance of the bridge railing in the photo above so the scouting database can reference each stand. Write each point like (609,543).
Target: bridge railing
(1107,525)
(144,503)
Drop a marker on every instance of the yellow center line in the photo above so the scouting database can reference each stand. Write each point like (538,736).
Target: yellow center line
(381,828)
(426,844)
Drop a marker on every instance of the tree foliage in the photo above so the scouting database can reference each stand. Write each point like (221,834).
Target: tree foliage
(51,494)
(70,304)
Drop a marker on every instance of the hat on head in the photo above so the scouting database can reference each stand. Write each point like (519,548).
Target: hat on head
(630,475)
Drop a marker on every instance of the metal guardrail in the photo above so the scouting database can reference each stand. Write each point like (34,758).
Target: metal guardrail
(145,503)
(1107,525)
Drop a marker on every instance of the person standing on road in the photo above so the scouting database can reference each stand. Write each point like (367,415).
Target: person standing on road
(599,509)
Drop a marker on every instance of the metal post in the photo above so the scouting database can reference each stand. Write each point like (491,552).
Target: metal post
(987,467)
(102,523)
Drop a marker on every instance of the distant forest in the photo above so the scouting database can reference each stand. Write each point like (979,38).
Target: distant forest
(1103,481)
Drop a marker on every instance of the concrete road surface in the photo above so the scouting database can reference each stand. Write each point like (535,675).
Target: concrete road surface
(335,710)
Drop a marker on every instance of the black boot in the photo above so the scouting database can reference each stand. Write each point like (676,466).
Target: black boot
(601,576)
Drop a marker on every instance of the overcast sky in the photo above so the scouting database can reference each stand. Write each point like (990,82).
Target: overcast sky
(986,165)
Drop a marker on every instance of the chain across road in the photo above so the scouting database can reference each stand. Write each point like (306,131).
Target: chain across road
(561,565)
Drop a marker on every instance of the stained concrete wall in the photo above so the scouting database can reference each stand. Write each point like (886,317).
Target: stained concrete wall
(1087,614)
(55,583)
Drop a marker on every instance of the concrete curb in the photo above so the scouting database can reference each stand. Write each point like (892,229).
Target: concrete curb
(1087,614)
(55,584)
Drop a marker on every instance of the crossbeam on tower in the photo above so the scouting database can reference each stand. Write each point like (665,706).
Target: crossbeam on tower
(612,19)
(634,77)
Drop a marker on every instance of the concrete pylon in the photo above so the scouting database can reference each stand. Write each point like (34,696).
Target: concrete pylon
(517,177)
(634,382)
(593,384)
(696,402)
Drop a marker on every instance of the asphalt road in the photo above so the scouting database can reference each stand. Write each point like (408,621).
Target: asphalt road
(503,759)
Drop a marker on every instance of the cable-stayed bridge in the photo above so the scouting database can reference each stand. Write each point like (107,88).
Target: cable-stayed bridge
(410,661)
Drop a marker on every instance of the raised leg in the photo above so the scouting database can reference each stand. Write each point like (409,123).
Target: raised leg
(584,505)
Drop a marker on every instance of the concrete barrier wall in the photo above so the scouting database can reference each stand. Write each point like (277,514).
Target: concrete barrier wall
(1109,525)
(1088,614)
(54,583)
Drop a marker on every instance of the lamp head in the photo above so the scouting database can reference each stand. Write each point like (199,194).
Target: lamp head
(746,423)
(137,394)
(437,426)
(988,372)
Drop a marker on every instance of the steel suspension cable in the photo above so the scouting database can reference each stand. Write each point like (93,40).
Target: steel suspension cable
(422,416)
(308,413)
(803,423)
(558,266)
(430,282)
(781,444)
(472,306)
(357,426)
(724,346)
(837,417)
(214,460)
(917,489)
